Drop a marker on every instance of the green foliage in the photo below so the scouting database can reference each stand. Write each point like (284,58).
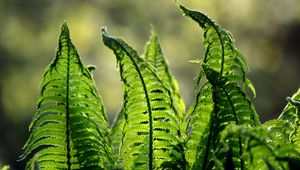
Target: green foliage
(264,151)
(154,55)
(225,102)
(286,127)
(151,132)
(69,129)
(221,130)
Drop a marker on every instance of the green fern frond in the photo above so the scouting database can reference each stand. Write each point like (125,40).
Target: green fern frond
(223,73)
(286,127)
(154,55)
(263,152)
(151,136)
(221,54)
(280,128)
(231,106)
(295,136)
(198,128)
(117,134)
(291,111)
(69,129)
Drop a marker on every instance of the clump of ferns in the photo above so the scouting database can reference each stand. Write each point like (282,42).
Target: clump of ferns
(221,130)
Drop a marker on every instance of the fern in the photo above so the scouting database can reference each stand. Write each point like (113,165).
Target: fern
(286,127)
(69,129)
(117,133)
(263,150)
(225,102)
(291,110)
(221,130)
(154,55)
(151,132)
(198,127)
(283,137)
(231,105)
(221,54)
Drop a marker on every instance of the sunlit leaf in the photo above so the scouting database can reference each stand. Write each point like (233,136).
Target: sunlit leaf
(69,129)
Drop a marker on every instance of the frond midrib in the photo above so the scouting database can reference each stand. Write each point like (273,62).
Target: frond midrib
(67,108)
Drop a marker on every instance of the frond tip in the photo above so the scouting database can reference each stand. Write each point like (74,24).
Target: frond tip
(153,55)
(69,129)
(221,55)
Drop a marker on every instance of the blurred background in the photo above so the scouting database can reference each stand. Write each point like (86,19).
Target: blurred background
(266,32)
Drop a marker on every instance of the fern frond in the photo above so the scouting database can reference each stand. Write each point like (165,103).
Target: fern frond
(231,106)
(199,126)
(286,127)
(221,54)
(291,111)
(117,131)
(154,55)
(280,128)
(69,129)
(263,151)
(219,103)
(151,136)
(224,67)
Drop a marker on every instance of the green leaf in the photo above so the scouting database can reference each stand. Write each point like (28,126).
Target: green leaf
(153,54)
(199,124)
(291,115)
(69,129)
(223,100)
(263,152)
(151,136)
(231,106)
(286,127)
(291,111)
(221,54)
(117,134)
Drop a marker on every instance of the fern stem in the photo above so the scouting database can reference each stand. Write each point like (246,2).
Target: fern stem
(67,111)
